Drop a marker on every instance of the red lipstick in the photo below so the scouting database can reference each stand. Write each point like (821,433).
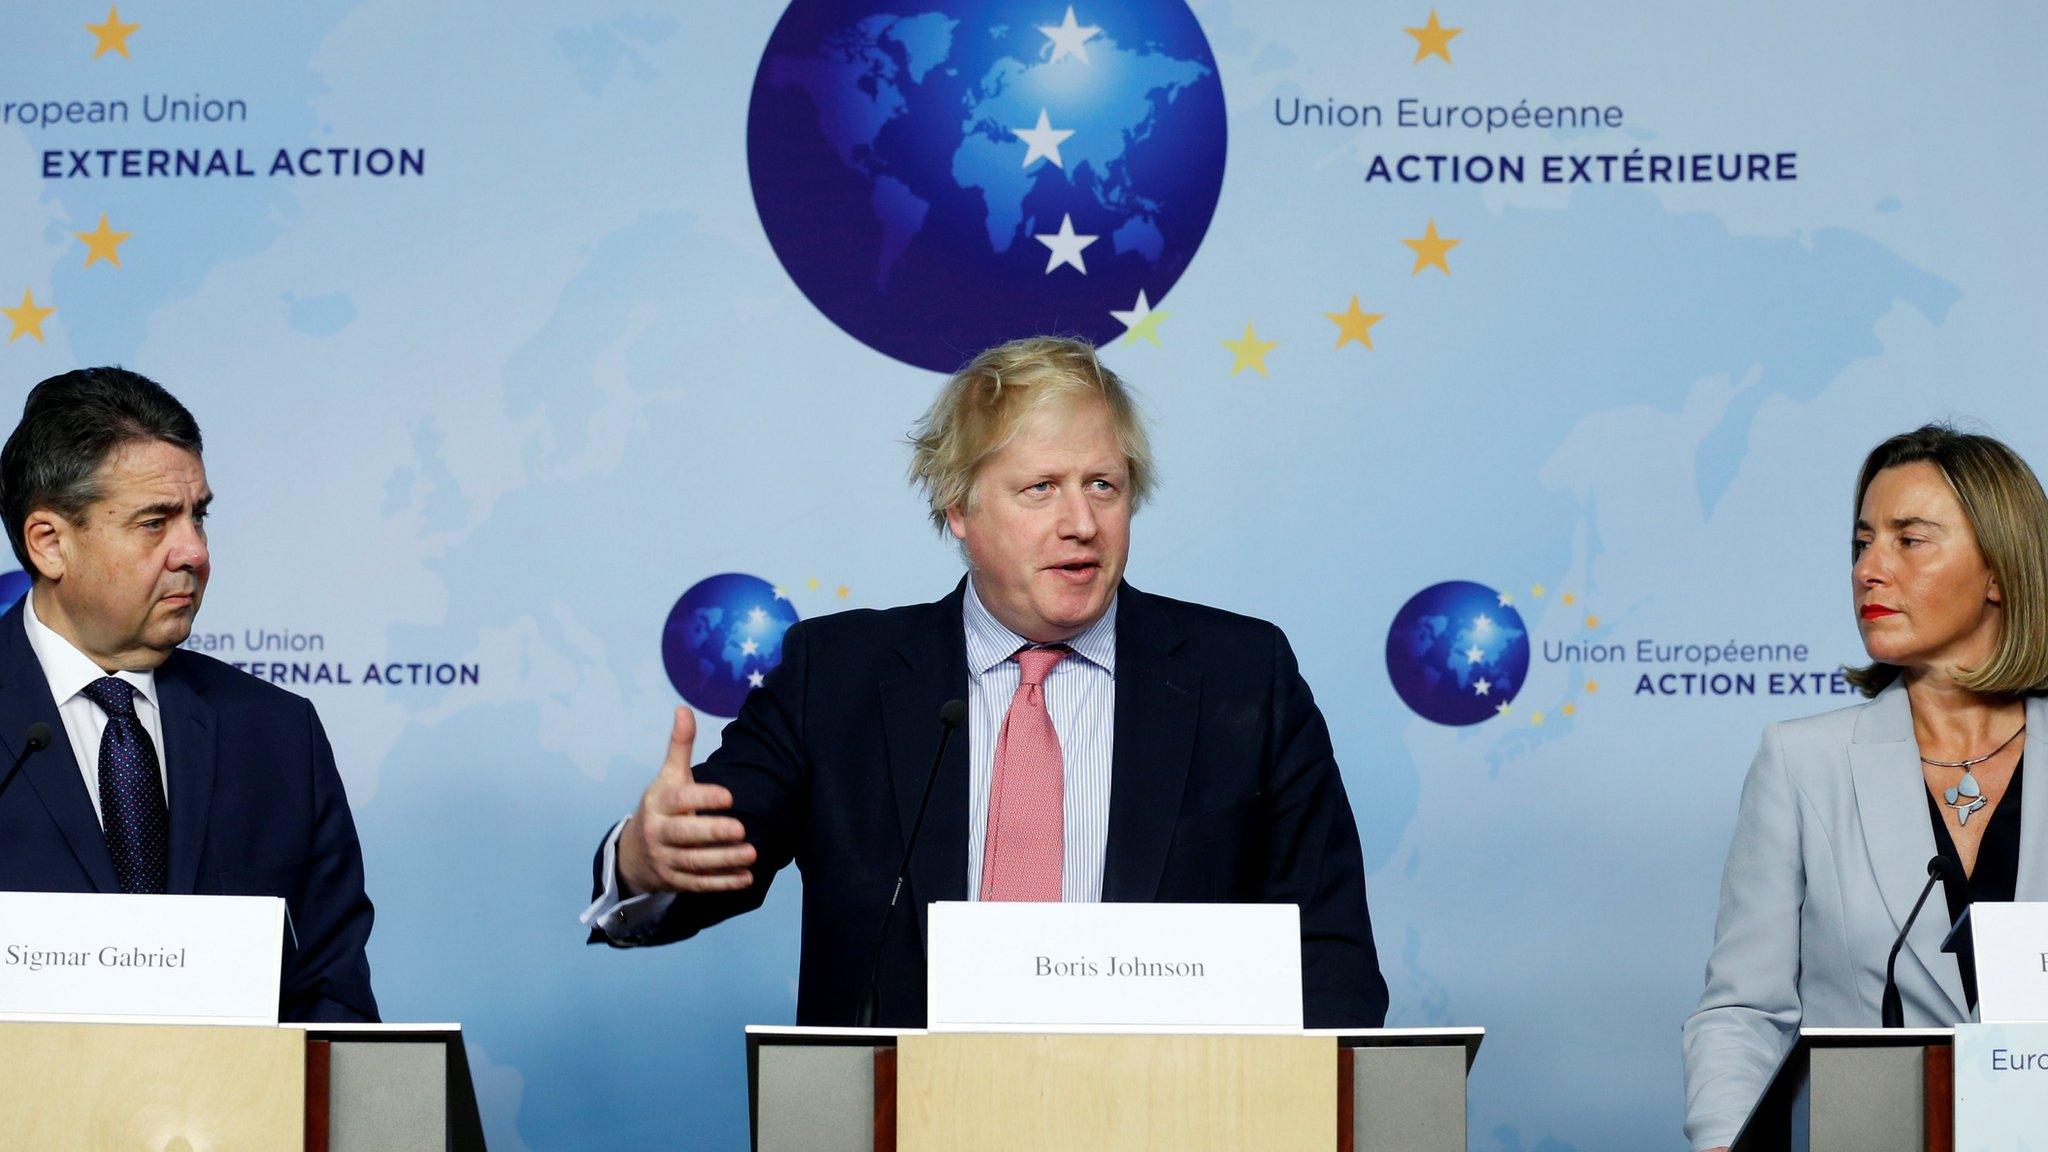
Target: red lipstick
(1877,611)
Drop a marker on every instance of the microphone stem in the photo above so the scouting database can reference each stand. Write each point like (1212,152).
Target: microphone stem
(870,997)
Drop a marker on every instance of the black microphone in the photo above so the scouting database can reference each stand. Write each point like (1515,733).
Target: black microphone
(33,741)
(1938,868)
(951,715)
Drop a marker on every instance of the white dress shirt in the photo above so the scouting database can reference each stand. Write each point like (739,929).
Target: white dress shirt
(69,671)
(1080,695)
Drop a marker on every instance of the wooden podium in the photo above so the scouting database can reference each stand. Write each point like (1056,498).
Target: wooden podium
(1858,1090)
(881,1090)
(178,1087)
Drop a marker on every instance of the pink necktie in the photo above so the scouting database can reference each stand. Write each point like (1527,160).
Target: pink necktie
(1024,849)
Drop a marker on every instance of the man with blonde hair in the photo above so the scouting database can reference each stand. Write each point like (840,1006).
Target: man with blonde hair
(1120,746)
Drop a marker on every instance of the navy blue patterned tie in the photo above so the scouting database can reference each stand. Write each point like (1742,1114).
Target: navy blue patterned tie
(131,791)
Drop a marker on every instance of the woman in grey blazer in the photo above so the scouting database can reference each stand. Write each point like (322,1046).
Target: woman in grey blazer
(1841,811)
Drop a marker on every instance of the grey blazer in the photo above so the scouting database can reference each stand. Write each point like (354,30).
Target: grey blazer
(1831,848)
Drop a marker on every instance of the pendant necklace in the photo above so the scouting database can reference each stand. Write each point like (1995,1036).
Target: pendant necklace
(1966,797)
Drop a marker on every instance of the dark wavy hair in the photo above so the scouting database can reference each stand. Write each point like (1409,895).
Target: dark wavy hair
(68,428)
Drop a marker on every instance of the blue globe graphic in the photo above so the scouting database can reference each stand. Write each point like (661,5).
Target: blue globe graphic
(721,638)
(1456,653)
(883,149)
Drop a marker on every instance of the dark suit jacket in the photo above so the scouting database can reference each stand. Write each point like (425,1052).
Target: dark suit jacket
(256,807)
(1223,789)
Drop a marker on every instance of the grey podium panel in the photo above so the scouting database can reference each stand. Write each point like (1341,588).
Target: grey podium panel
(1867,1100)
(816,1098)
(387,1097)
(1408,1099)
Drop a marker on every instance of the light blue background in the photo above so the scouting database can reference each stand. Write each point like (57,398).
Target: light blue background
(508,412)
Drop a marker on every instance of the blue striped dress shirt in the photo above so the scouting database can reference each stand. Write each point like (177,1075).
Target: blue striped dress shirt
(1081,695)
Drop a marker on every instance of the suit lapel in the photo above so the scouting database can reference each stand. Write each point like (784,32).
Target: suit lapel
(1158,700)
(1891,802)
(53,773)
(2033,878)
(188,724)
(934,656)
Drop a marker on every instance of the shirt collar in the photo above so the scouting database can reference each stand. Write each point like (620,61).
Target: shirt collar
(989,643)
(66,668)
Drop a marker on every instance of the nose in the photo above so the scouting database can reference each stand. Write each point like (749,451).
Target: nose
(188,551)
(1077,519)
(1868,571)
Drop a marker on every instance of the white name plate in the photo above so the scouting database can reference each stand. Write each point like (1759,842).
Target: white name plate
(2012,961)
(1007,967)
(140,959)
(2001,1085)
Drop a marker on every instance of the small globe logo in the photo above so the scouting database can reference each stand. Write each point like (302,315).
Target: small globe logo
(13,586)
(942,176)
(1457,652)
(722,638)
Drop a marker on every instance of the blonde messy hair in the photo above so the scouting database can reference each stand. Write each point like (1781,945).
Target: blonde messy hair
(2008,513)
(981,408)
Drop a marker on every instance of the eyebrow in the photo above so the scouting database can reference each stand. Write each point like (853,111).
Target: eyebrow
(169,508)
(1899,522)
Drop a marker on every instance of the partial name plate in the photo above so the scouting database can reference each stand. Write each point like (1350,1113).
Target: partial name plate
(1014,967)
(95,958)
(2001,1086)
(2011,942)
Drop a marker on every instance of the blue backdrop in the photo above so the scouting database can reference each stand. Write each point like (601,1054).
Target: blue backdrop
(508,326)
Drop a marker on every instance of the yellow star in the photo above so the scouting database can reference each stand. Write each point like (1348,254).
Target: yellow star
(780,593)
(1569,599)
(113,35)
(1431,248)
(1502,709)
(1536,591)
(1433,39)
(1592,685)
(1146,329)
(1250,352)
(812,583)
(28,319)
(844,592)
(1353,324)
(1569,710)
(1536,718)
(1592,621)
(103,243)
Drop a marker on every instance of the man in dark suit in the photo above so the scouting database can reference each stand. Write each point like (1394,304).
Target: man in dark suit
(1120,746)
(170,772)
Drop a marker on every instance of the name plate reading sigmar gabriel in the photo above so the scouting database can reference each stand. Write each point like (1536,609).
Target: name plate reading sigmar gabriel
(145,959)
(1006,967)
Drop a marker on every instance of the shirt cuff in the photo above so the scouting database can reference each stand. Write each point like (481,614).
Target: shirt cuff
(624,921)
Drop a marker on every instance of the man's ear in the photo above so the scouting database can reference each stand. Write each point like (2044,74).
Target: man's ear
(956,522)
(43,534)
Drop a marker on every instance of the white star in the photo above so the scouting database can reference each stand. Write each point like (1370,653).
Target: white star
(780,594)
(1501,708)
(754,679)
(1481,687)
(1506,599)
(1136,315)
(1068,37)
(1482,624)
(756,616)
(1066,246)
(1473,654)
(1043,140)
(749,648)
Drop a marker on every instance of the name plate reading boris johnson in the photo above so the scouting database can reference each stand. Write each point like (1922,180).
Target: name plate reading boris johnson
(1006,967)
(140,959)
(2011,941)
